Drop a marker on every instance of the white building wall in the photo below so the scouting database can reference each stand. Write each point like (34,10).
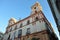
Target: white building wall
(13,27)
(38,27)
(18,25)
(33,28)
(24,22)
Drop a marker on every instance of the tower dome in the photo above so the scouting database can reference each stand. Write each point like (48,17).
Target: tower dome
(12,21)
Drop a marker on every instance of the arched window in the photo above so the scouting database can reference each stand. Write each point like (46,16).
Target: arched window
(36,18)
(34,7)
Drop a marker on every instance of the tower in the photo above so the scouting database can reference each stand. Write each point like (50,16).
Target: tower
(36,8)
(12,21)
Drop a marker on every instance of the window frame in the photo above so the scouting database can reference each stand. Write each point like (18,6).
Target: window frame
(28,22)
(19,33)
(28,31)
(36,18)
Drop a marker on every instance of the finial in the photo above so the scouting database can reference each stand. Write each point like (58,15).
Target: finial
(37,2)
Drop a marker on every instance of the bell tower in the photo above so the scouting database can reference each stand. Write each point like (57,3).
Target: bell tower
(36,7)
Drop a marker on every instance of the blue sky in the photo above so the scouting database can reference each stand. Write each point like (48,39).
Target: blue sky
(22,9)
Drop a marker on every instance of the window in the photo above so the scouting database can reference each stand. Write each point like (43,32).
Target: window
(35,11)
(28,31)
(48,29)
(9,37)
(15,27)
(34,7)
(10,29)
(21,25)
(28,22)
(36,18)
(14,34)
(6,31)
(19,33)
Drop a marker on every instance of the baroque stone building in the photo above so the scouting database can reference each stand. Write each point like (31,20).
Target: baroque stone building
(34,27)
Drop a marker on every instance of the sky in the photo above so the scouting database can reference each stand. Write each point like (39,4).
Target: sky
(20,9)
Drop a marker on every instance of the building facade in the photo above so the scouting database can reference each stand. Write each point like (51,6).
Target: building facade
(55,8)
(34,27)
(1,35)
